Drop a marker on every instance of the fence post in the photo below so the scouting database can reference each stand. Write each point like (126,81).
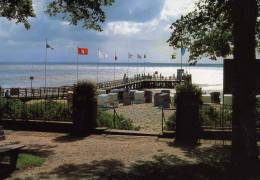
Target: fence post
(114,119)
(162,120)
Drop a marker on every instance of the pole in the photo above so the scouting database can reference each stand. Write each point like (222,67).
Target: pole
(144,63)
(128,66)
(98,65)
(181,49)
(181,55)
(115,67)
(137,65)
(77,65)
(45,68)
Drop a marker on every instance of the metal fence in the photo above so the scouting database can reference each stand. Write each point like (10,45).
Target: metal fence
(211,116)
(168,119)
(216,116)
(110,118)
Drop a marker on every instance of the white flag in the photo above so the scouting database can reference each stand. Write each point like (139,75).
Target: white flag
(102,54)
(130,56)
(139,56)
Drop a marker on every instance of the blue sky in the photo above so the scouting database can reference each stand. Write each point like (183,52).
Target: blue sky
(136,26)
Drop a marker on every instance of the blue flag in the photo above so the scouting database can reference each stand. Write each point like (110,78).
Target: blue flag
(183,51)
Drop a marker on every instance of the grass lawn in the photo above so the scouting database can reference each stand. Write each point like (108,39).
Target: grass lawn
(28,160)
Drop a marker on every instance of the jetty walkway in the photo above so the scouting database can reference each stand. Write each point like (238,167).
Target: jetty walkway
(62,92)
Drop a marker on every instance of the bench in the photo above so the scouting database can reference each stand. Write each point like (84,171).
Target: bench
(9,150)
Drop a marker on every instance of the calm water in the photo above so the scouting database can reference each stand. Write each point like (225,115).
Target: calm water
(209,77)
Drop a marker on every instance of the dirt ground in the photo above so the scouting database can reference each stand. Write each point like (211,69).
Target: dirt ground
(112,157)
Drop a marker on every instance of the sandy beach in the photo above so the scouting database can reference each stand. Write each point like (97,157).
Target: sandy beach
(146,116)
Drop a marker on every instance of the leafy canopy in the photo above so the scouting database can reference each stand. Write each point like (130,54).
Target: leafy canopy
(87,12)
(207,30)
(18,10)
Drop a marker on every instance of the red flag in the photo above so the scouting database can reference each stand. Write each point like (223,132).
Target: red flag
(83,51)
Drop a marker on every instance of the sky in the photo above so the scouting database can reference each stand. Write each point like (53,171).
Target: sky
(135,26)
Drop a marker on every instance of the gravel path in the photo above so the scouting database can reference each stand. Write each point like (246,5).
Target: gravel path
(94,157)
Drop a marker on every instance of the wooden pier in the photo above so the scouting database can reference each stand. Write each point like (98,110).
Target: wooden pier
(62,92)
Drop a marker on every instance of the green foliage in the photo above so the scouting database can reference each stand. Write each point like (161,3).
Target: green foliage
(188,93)
(18,10)
(84,107)
(207,30)
(28,160)
(35,110)
(89,13)
(106,119)
(216,116)
(171,122)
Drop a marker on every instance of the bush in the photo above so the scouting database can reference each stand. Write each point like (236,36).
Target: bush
(187,101)
(106,119)
(216,116)
(188,93)
(171,123)
(11,109)
(84,108)
(34,110)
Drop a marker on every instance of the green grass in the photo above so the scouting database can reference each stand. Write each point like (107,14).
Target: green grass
(28,160)
(106,119)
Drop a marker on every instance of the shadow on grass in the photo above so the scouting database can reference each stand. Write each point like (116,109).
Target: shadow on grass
(162,166)
(34,149)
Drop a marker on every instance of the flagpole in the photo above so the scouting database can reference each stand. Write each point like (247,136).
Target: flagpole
(77,65)
(98,65)
(115,67)
(144,64)
(45,67)
(137,65)
(181,50)
(128,65)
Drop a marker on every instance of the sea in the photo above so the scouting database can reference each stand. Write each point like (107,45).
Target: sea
(207,76)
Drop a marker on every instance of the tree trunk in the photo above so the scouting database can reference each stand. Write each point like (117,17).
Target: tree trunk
(244,147)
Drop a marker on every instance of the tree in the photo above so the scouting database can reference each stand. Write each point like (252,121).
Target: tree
(17,10)
(244,146)
(207,30)
(89,13)
(217,29)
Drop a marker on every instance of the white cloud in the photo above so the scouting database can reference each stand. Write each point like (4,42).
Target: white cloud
(127,28)
(122,28)
(174,8)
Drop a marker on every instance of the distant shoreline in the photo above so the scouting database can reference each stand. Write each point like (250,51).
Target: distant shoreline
(112,64)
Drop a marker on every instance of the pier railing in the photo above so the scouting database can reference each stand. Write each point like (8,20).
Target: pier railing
(34,93)
(62,92)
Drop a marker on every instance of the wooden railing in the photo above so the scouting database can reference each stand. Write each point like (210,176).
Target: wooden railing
(62,92)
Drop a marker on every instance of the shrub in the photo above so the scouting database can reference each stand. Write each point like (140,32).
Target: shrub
(34,110)
(188,93)
(187,101)
(84,108)
(11,109)
(106,119)
(171,123)
(216,116)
